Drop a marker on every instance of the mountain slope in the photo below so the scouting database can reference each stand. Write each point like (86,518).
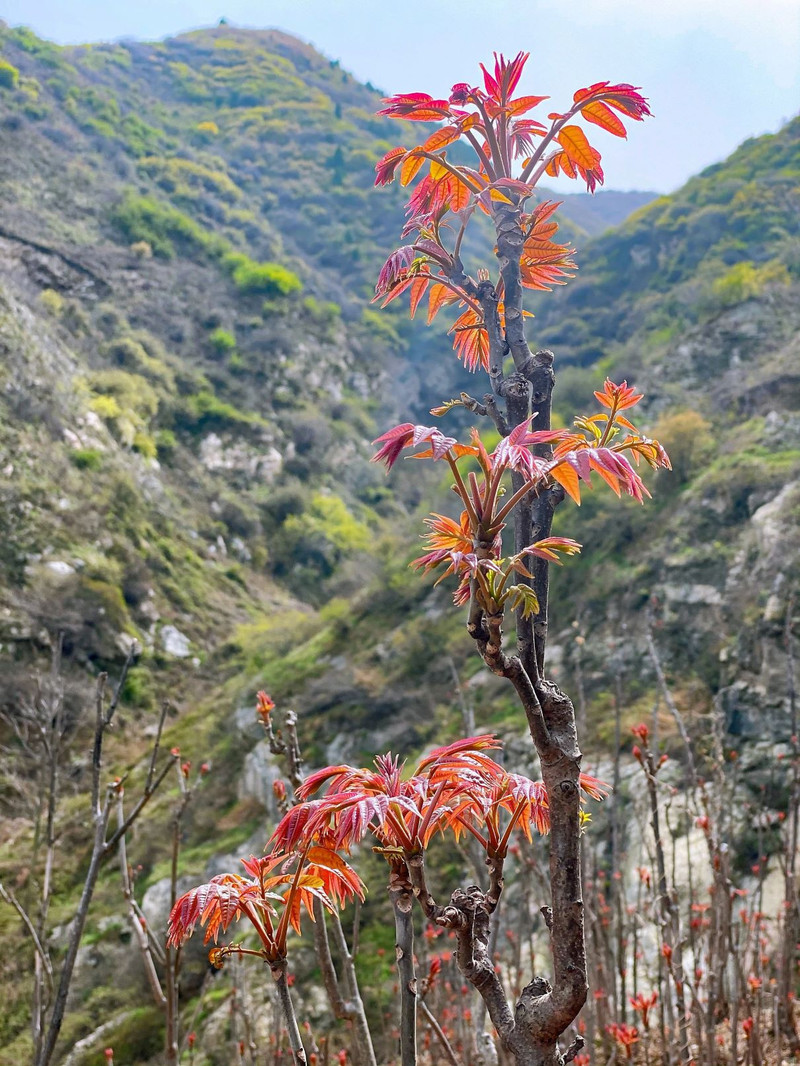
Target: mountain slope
(192,373)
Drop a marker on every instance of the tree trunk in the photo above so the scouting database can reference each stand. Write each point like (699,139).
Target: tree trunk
(402,897)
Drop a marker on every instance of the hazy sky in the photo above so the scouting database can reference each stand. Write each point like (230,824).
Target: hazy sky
(716,71)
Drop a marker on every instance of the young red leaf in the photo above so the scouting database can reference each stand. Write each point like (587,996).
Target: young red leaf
(439,296)
(385,167)
(418,287)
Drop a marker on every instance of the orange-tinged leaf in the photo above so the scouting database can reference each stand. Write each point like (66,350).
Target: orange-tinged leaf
(621,420)
(418,287)
(525,103)
(561,163)
(410,168)
(459,194)
(463,449)
(568,478)
(438,171)
(573,140)
(601,115)
(610,479)
(495,194)
(437,300)
(441,138)
(545,209)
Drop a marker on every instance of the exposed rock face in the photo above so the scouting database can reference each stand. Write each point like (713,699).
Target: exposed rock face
(755,676)
(259,774)
(174,642)
(263,463)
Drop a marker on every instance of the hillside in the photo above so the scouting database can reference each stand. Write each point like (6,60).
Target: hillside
(191,377)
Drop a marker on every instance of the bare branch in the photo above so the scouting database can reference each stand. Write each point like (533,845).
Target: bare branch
(10,898)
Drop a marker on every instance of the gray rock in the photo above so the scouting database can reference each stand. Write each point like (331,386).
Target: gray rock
(259,773)
(174,642)
(59,569)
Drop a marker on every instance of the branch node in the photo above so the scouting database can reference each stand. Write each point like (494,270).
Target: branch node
(574,1048)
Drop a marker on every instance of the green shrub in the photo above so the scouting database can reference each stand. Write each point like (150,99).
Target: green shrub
(9,75)
(222,341)
(325,533)
(269,279)
(126,401)
(739,284)
(144,444)
(138,689)
(87,458)
(324,313)
(105,406)
(745,281)
(137,1038)
(183,177)
(141,218)
(689,441)
(52,301)
(205,410)
(129,353)
(166,443)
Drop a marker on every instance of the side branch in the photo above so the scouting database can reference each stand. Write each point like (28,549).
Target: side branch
(498,348)
(490,645)
(470,915)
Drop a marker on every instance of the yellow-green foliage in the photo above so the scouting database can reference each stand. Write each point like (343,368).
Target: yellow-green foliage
(267,278)
(745,280)
(182,177)
(126,401)
(9,75)
(204,410)
(145,445)
(52,301)
(208,127)
(105,406)
(380,326)
(328,519)
(130,353)
(222,340)
(141,218)
(689,442)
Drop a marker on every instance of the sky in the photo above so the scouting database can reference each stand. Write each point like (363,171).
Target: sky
(715,71)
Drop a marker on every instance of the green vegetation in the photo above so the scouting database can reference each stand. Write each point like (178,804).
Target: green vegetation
(164,228)
(9,75)
(744,281)
(87,458)
(269,279)
(234,173)
(222,341)
(205,411)
(137,1038)
(725,237)
(52,301)
(184,178)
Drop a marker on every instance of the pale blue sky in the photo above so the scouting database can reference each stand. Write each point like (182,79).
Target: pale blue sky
(716,71)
